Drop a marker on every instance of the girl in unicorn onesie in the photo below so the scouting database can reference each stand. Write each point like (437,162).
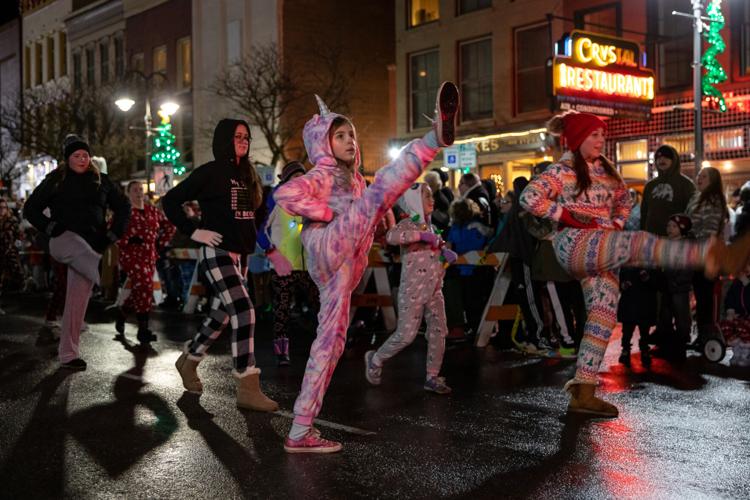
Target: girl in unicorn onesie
(421,290)
(340,219)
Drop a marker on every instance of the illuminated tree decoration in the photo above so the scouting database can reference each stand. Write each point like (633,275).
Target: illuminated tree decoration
(163,149)
(715,74)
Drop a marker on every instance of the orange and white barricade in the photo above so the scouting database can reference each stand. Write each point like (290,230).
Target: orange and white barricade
(382,298)
(196,289)
(124,292)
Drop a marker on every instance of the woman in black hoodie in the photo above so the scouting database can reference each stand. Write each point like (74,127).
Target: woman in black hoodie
(78,196)
(229,191)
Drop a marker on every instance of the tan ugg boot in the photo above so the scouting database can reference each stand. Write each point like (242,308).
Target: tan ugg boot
(723,259)
(187,366)
(249,395)
(582,400)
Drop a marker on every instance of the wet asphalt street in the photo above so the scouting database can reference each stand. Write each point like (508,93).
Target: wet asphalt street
(125,429)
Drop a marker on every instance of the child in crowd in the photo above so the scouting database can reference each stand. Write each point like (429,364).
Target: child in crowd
(279,236)
(421,290)
(636,307)
(676,302)
(341,216)
(465,284)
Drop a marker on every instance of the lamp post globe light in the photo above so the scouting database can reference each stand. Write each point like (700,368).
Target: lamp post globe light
(168,107)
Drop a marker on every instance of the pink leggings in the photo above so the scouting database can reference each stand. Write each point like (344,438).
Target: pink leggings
(76,301)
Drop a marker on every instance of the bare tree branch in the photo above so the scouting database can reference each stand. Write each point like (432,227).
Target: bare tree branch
(277,98)
(40,119)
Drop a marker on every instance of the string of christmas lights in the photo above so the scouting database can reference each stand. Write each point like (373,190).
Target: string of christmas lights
(715,74)
(164,151)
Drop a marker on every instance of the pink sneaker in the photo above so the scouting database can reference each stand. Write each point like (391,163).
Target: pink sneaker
(311,443)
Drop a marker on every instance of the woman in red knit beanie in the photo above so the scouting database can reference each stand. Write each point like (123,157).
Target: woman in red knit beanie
(589,203)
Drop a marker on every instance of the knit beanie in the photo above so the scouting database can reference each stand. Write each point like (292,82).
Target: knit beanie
(575,127)
(683,222)
(73,143)
(289,170)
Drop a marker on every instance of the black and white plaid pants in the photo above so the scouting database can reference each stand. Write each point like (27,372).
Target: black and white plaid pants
(231,304)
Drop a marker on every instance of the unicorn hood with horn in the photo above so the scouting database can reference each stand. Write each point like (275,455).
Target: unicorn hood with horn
(328,188)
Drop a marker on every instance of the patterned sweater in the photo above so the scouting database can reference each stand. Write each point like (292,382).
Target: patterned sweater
(707,219)
(606,202)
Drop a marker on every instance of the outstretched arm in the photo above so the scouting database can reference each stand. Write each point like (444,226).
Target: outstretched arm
(306,196)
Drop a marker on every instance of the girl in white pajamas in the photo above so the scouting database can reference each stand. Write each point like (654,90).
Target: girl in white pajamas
(421,291)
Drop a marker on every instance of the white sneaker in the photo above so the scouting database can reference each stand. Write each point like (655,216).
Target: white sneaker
(372,372)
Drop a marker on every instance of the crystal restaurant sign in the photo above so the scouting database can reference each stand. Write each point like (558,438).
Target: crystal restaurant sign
(602,75)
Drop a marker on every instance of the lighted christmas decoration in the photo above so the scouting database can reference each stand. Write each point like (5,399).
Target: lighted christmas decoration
(164,151)
(715,74)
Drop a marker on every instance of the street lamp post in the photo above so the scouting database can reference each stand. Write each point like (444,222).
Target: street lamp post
(168,107)
(698,19)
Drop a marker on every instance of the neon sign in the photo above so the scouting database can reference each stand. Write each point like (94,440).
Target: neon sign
(603,71)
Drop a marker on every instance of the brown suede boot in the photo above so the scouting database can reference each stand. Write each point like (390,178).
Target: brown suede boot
(249,395)
(582,400)
(187,366)
(723,259)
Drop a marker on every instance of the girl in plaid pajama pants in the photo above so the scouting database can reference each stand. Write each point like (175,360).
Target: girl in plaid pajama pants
(341,218)
(229,191)
(589,202)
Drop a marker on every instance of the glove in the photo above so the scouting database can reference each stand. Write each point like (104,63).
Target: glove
(206,237)
(280,263)
(430,238)
(135,240)
(449,255)
(567,220)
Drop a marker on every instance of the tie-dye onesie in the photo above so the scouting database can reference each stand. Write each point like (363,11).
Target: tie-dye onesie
(594,256)
(421,290)
(338,249)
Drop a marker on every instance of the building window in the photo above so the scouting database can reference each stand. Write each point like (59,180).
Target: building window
(532,52)
(632,159)
(714,141)
(119,58)
(90,68)
(136,62)
(77,70)
(466,6)
(682,143)
(675,52)
(234,42)
(50,58)
(476,79)
(423,11)
(27,66)
(604,19)
(184,63)
(63,55)
(724,140)
(104,61)
(160,60)
(37,63)
(743,26)
(424,82)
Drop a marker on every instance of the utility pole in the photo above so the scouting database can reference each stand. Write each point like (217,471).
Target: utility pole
(697,19)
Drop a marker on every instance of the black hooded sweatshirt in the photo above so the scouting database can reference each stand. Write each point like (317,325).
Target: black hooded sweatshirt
(665,195)
(226,206)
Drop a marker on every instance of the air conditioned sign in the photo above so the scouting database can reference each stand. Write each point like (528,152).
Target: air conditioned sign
(603,73)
